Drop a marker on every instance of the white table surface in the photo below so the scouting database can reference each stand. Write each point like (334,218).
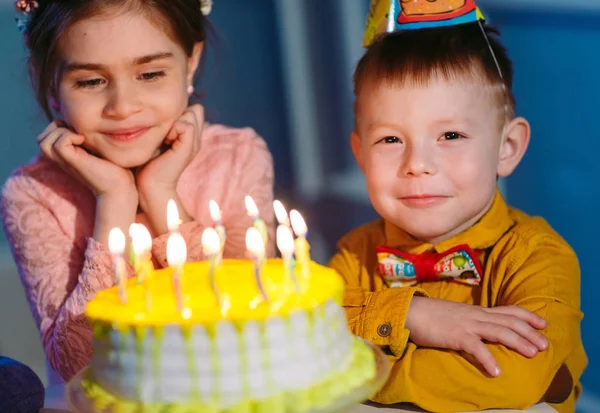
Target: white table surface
(56,403)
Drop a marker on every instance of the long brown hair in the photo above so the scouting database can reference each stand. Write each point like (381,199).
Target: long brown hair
(181,19)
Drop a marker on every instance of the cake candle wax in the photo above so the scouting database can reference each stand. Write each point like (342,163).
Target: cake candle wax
(216,215)
(176,257)
(256,248)
(211,246)
(116,245)
(302,246)
(258,223)
(285,243)
(141,242)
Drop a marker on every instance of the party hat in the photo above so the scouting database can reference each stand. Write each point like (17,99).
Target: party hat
(387,16)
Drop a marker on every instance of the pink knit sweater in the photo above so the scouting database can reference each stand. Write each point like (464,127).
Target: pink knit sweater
(49,217)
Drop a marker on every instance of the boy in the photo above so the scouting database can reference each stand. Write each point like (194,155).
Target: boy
(451,282)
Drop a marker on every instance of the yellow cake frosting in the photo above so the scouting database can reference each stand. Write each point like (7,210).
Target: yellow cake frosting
(241,299)
(228,349)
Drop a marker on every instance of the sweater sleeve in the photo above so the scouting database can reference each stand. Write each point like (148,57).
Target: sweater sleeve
(59,276)
(238,164)
(254,178)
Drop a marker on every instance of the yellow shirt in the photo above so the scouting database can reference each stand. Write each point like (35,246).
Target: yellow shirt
(525,263)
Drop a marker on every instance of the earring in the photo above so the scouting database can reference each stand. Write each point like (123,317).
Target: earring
(55,105)
(190,90)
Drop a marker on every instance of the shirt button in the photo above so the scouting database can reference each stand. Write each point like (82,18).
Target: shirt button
(384,330)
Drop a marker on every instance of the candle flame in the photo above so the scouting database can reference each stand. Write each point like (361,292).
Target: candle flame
(140,238)
(176,250)
(132,229)
(251,206)
(215,211)
(281,213)
(285,240)
(211,243)
(116,241)
(298,223)
(173,220)
(254,242)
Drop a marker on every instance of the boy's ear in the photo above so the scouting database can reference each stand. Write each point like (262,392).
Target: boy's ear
(194,61)
(357,150)
(513,146)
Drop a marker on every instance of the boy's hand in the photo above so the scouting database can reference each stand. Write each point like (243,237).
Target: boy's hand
(102,177)
(462,327)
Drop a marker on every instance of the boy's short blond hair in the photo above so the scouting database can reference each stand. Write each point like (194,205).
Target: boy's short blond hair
(414,57)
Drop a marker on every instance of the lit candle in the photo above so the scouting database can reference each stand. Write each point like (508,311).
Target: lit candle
(256,247)
(116,245)
(259,224)
(133,230)
(216,215)
(211,246)
(173,220)
(285,243)
(141,242)
(302,247)
(281,213)
(176,257)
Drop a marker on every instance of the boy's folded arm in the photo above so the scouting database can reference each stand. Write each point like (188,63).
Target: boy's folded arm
(445,380)
(547,283)
(378,316)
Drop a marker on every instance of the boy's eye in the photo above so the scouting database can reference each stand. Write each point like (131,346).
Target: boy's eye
(451,136)
(152,75)
(390,139)
(89,83)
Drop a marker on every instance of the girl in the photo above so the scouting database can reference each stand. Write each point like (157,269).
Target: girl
(114,77)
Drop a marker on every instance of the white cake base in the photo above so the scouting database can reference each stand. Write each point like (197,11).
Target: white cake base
(254,359)
(80,401)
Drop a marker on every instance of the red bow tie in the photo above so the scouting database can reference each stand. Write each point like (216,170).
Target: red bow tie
(400,269)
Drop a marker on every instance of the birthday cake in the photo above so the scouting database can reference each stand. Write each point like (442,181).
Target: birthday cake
(241,336)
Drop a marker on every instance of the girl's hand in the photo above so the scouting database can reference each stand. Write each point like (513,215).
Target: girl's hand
(462,327)
(157,180)
(64,147)
(114,187)
(162,173)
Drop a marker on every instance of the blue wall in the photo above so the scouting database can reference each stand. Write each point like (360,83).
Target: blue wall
(242,81)
(557,86)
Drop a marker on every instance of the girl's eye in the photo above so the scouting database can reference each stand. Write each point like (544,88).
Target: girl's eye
(451,136)
(151,76)
(88,83)
(390,139)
